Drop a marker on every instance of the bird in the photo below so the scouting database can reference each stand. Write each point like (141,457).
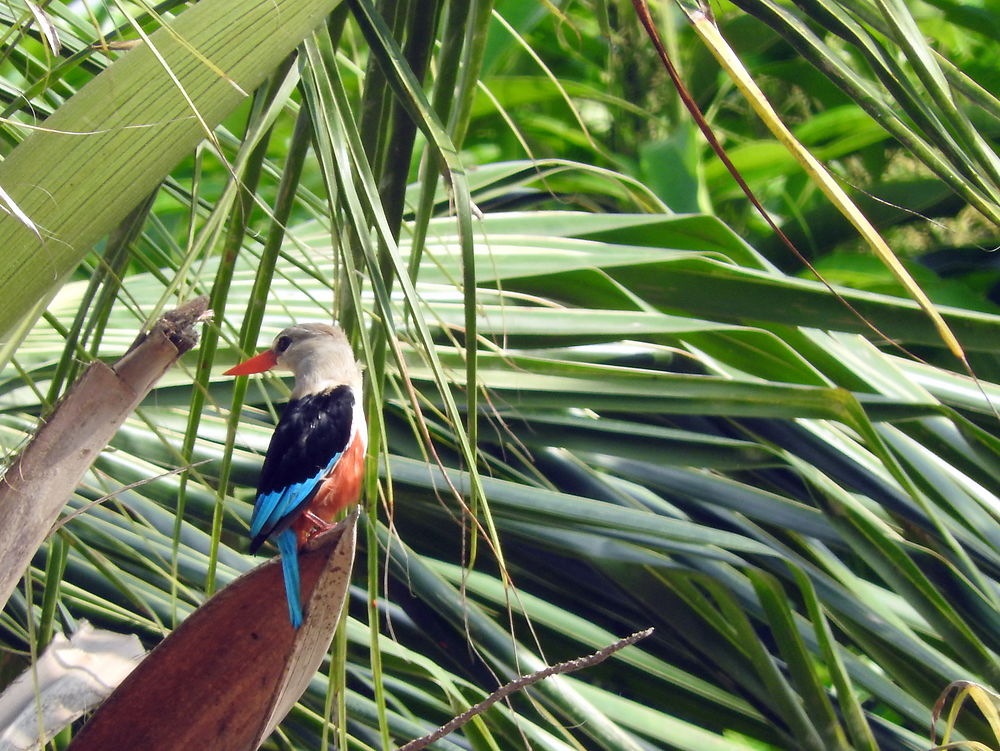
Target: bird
(314,464)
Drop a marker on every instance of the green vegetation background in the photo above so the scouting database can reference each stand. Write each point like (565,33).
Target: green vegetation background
(603,396)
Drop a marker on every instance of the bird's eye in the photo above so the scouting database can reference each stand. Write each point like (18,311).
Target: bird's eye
(282,344)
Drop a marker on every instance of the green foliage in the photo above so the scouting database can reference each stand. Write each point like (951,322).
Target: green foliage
(590,412)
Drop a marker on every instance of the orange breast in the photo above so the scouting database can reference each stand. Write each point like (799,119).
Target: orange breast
(338,490)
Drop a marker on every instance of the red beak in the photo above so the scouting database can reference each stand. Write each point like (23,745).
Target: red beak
(256,364)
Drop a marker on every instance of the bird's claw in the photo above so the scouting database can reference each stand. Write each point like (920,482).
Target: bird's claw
(319,525)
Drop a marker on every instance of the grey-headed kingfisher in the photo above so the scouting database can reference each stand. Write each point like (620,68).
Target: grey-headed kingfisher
(315,462)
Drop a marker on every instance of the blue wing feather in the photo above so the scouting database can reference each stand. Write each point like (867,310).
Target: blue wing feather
(272,508)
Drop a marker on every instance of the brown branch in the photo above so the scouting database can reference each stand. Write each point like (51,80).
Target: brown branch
(38,482)
(520,683)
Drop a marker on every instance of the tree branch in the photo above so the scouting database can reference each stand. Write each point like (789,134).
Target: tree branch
(38,482)
(523,682)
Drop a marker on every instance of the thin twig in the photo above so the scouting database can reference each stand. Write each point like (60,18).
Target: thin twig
(523,682)
(131,486)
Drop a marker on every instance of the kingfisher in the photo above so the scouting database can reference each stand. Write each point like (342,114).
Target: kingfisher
(315,462)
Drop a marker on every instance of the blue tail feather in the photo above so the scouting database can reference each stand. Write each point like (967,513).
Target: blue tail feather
(288,545)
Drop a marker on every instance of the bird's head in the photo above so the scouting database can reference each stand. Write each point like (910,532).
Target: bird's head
(317,353)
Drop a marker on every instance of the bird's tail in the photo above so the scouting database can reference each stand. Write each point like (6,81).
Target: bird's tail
(288,545)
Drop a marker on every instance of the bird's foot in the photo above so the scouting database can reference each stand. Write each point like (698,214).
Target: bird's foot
(319,525)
